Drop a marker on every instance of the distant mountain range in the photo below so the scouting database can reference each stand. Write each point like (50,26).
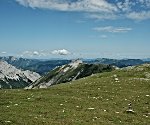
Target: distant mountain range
(147,59)
(11,77)
(119,63)
(36,65)
(21,72)
(44,66)
(69,72)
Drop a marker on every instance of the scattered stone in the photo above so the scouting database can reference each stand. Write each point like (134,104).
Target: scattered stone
(10,101)
(95,117)
(115,75)
(130,111)
(116,79)
(94,98)
(8,121)
(145,116)
(91,108)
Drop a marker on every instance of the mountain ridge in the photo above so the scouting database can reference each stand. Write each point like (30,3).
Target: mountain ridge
(69,72)
(42,66)
(11,77)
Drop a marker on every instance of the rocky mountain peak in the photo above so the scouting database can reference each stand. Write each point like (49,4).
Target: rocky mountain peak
(69,72)
(9,74)
(75,63)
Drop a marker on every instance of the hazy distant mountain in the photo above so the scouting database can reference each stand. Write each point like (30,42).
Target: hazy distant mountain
(69,72)
(44,66)
(19,62)
(119,63)
(36,65)
(147,59)
(11,77)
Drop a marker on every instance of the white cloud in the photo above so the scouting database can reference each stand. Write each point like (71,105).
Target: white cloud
(44,53)
(102,16)
(112,29)
(125,6)
(65,5)
(139,15)
(96,9)
(3,52)
(27,53)
(34,53)
(61,52)
(103,36)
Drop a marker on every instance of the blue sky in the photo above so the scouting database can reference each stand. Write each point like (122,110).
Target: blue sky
(75,28)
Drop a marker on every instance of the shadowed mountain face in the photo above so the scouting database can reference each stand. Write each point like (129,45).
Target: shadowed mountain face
(70,72)
(36,65)
(11,77)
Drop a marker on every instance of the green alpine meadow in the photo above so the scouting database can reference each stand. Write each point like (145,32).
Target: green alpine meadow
(120,97)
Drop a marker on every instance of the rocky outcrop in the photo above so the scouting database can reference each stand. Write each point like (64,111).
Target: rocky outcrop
(11,77)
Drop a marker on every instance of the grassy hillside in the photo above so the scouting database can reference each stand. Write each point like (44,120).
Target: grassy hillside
(101,99)
(67,73)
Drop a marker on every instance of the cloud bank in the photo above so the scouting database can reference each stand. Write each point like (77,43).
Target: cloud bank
(3,52)
(43,53)
(61,52)
(98,9)
(112,29)
(67,5)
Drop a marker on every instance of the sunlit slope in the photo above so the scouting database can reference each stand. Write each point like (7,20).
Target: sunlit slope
(120,97)
(69,72)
